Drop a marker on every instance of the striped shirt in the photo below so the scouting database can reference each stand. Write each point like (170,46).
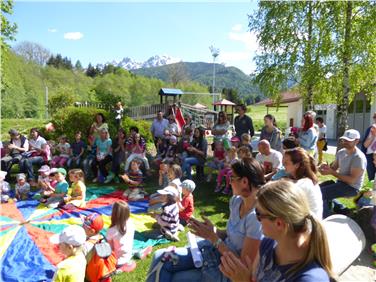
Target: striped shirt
(169,218)
(135,176)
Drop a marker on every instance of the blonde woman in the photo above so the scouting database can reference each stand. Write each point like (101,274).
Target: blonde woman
(295,247)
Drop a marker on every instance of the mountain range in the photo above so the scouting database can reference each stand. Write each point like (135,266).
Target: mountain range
(167,69)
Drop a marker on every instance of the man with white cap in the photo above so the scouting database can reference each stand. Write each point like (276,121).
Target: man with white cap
(348,168)
(70,241)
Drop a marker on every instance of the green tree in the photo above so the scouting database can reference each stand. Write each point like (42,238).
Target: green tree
(294,40)
(78,66)
(8,29)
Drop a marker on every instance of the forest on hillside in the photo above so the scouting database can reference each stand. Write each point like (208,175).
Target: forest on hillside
(26,78)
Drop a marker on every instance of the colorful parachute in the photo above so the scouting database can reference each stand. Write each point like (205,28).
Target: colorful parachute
(26,253)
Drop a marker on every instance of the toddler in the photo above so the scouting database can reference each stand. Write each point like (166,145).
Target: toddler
(246,141)
(4,187)
(187,203)
(231,157)
(244,152)
(65,151)
(70,241)
(235,141)
(134,179)
(171,150)
(22,187)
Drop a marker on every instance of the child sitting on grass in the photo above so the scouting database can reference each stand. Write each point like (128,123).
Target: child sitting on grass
(134,179)
(61,189)
(4,187)
(186,206)
(168,220)
(77,194)
(163,175)
(120,236)
(92,224)
(22,187)
(70,241)
(246,141)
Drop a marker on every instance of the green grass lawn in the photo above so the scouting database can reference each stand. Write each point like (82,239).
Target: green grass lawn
(258,112)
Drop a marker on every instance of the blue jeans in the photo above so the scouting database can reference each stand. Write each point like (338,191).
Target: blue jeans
(187,164)
(371,169)
(335,190)
(26,165)
(74,163)
(184,270)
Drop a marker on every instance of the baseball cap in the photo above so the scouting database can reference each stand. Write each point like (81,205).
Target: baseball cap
(94,221)
(13,132)
(20,176)
(169,190)
(73,235)
(189,185)
(351,135)
(44,168)
(62,171)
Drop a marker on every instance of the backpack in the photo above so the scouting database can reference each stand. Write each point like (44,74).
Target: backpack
(102,264)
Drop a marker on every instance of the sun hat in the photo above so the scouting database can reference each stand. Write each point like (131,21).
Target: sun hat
(235,139)
(351,135)
(44,168)
(169,190)
(73,235)
(189,185)
(62,171)
(20,176)
(94,221)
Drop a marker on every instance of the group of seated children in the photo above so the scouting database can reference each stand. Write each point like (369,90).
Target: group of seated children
(84,252)
(223,158)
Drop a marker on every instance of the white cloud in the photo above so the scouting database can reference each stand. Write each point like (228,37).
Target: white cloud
(237,27)
(248,38)
(52,30)
(73,35)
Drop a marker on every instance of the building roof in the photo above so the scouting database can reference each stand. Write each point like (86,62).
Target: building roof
(224,102)
(170,92)
(286,97)
(199,106)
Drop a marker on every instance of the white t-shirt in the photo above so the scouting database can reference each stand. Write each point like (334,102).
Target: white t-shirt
(322,131)
(314,196)
(270,162)
(122,245)
(38,143)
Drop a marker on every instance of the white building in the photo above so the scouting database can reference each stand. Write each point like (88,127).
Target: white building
(360,112)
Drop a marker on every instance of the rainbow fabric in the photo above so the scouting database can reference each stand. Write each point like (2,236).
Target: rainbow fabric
(26,253)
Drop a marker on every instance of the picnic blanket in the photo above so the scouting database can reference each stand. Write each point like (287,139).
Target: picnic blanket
(26,253)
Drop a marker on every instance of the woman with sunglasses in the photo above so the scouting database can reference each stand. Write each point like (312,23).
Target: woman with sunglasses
(241,238)
(295,247)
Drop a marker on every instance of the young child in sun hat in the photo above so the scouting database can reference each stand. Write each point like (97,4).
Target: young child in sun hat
(70,241)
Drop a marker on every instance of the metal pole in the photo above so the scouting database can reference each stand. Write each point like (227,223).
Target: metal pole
(213,86)
(46,92)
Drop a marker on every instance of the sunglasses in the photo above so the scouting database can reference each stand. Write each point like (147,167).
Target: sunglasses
(261,216)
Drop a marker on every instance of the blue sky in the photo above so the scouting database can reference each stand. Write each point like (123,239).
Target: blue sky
(99,32)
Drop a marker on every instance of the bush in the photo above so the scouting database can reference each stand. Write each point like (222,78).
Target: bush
(71,119)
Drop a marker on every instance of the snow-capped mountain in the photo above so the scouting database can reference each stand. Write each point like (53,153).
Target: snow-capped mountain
(154,61)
